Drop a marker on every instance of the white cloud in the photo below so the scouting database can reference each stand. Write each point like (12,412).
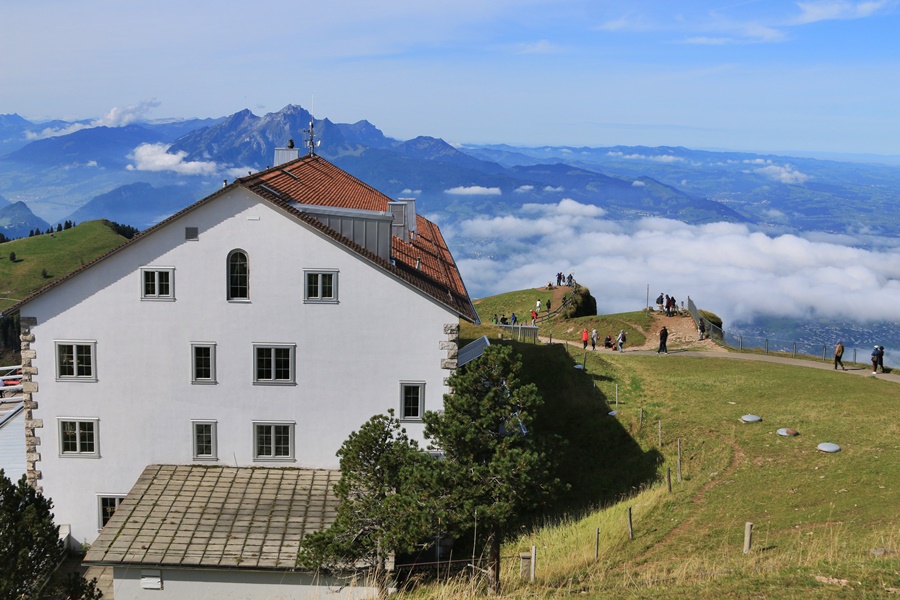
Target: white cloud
(117,116)
(830,10)
(783,174)
(663,158)
(474,190)
(727,268)
(524,188)
(412,192)
(637,183)
(155,157)
(550,188)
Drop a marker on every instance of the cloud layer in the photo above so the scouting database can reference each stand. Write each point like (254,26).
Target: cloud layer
(726,268)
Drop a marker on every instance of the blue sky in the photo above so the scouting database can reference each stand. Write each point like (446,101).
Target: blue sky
(816,76)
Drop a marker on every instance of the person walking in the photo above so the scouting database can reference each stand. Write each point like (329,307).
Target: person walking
(548,307)
(875,360)
(881,358)
(620,340)
(663,336)
(593,339)
(584,337)
(538,307)
(701,330)
(839,354)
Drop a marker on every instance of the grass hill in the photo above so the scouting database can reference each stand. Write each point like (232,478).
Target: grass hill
(825,525)
(43,258)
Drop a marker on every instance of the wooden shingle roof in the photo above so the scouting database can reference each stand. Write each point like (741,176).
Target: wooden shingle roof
(203,516)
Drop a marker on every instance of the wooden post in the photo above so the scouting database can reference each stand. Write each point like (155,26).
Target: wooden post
(767,345)
(795,349)
(659,433)
(597,545)
(617,396)
(630,528)
(533,561)
(584,360)
(669,478)
(748,537)
(824,350)
(679,460)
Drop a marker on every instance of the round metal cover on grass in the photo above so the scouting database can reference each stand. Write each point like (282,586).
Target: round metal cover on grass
(787,432)
(579,366)
(751,418)
(828,447)
(613,413)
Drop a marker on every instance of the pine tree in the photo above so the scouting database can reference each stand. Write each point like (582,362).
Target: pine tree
(495,469)
(388,500)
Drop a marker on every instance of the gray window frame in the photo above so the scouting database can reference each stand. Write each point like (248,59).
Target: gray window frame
(170,297)
(212,363)
(94,421)
(214,440)
(319,299)
(257,380)
(92,344)
(420,385)
(228,277)
(271,425)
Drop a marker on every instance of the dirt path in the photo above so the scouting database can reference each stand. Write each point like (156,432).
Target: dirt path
(682,334)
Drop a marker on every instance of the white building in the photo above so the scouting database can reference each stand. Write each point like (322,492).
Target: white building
(258,327)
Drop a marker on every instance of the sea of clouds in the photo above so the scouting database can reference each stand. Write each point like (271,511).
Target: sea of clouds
(730,269)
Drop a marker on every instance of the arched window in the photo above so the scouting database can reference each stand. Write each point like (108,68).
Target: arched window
(238,275)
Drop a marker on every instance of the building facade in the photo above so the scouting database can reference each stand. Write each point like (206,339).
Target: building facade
(258,327)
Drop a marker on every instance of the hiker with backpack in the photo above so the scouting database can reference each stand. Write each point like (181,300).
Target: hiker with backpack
(620,340)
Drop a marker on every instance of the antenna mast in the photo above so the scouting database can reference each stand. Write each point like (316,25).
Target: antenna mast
(311,132)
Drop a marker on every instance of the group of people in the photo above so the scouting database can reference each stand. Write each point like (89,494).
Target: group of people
(607,343)
(667,303)
(877,357)
(563,280)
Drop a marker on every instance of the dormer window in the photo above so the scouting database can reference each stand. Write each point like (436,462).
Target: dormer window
(238,275)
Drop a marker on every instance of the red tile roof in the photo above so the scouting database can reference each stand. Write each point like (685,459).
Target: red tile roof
(425,261)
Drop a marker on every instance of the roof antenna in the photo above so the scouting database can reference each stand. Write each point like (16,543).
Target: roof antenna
(311,142)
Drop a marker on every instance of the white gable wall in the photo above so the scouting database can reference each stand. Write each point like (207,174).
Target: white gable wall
(350,356)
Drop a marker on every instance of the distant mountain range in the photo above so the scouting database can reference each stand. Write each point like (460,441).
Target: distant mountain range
(140,173)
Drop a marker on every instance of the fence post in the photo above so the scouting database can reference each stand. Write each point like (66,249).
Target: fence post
(617,396)
(669,478)
(854,355)
(795,349)
(630,528)
(741,341)
(641,419)
(824,350)
(533,561)
(748,537)
(597,545)
(767,345)
(679,460)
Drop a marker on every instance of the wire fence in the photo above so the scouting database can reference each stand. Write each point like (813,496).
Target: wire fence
(741,342)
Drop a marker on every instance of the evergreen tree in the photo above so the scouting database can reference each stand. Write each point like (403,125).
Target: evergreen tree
(387,500)
(495,469)
(58,227)
(30,547)
(67,224)
(12,257)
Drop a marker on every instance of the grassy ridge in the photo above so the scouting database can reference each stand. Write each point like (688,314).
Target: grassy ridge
(815,515)
(43,258)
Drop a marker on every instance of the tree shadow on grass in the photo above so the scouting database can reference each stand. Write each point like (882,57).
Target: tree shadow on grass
(597,458)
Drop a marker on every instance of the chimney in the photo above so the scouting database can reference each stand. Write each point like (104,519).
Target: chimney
(283,155)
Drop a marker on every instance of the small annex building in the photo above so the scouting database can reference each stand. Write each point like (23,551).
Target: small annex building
(255,329)
(214,533)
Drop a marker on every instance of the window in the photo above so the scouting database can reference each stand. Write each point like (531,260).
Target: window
(203,363)
(79,437)
(205,447)
(273,441)
(321,286)
(107,506)
(273,364)
(412,400)
(157,284)
(238,276)
(192,233)
(75,361)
